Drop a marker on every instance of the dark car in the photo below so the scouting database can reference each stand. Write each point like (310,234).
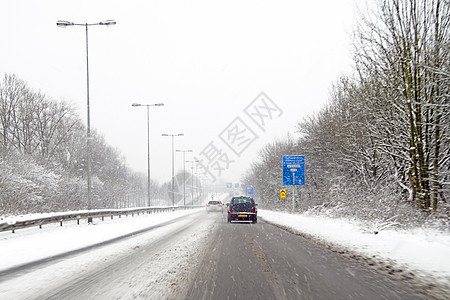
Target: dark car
(242,209)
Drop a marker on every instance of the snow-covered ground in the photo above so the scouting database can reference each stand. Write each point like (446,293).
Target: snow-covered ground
(424,252)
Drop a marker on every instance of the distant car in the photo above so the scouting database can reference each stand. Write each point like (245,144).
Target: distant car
(214,206)
(242,209)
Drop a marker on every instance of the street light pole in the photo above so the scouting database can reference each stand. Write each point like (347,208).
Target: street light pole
(196,183)
(184,174)
(192,179)
(173,170)
(64,24)
(148,144)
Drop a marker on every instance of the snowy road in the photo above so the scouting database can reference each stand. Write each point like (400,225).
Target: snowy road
(183,255)
(132,274)
(261,261)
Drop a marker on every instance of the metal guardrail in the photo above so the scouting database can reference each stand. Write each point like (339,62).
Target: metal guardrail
(60,218)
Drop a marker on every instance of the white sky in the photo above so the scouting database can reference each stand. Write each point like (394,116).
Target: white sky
(206,60)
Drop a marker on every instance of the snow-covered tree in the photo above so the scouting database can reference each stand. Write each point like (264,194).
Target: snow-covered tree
(43,157)
(402,53)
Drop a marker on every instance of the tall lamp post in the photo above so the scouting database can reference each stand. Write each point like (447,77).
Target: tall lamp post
(184,174)
(197,185)
(65,24)
(173,175)
(148,144)
(192,179)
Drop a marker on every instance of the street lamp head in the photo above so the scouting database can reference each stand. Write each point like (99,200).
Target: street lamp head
(180,134)
(63,24)
(159,104)
(164,134)
(136,104)
(108,23)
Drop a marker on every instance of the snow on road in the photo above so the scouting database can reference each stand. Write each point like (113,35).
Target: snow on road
(166,271)
(31,244)
(423,251)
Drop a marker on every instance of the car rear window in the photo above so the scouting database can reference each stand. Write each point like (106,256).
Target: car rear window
(214,202)
(242,200)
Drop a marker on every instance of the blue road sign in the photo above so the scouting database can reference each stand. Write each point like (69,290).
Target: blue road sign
(229,185)
(250,191)
(293,170)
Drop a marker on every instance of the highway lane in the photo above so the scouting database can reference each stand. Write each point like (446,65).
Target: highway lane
(262,261)
(135,274)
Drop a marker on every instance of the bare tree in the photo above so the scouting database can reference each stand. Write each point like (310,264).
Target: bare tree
(402,53)
(12,91)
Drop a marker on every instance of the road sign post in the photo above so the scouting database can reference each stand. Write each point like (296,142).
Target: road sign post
(293,172)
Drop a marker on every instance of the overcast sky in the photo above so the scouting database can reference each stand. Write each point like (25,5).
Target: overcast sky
(208,61)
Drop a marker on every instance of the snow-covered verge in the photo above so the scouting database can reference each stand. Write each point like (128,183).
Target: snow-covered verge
(424,253)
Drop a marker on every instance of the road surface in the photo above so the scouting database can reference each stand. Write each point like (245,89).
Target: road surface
(201,256)
(261,261)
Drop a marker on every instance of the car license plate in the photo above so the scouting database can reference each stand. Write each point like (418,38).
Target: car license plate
(243,216)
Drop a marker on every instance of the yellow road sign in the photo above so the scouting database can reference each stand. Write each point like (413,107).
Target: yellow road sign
(282,194)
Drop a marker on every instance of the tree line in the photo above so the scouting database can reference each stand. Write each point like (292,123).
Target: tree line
(382,143)
(43,162)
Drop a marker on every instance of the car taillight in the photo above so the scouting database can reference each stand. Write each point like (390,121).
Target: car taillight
(256,211)
(220,205)
(229,211)
(207,205)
